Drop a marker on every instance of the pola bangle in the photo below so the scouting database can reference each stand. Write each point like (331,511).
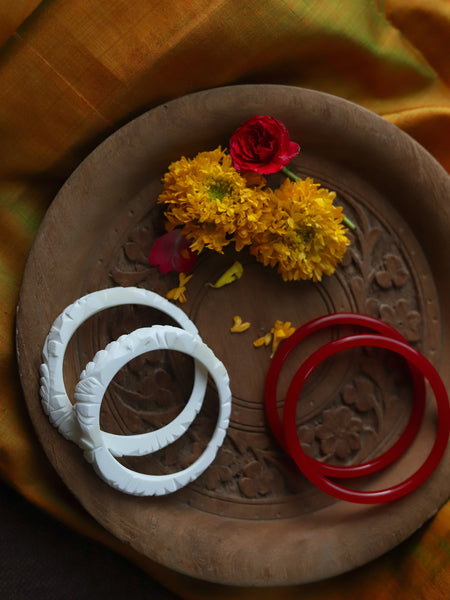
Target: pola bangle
(296,338)
(317,474)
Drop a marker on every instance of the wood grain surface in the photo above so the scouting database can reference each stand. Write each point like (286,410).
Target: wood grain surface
(252,518)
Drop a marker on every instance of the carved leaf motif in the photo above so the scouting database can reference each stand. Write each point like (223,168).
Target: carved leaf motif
(306,437)
(394,273)
(197,449)
(247,487)
(372,306)
(384,279)
(405,320)
(253,469)
(372,237)
(256,480)
(264,486)
(361,393)
(357,285)
(131,278)
(210,479)
(339,432)
(369,240)
(349,254)
(241,441)
(138,248)
(224,457)
(225,473)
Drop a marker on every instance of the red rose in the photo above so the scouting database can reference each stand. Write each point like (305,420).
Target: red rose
(262,144)
(171,252)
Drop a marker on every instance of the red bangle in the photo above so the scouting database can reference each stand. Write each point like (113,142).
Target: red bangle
(316,473)
(299,335)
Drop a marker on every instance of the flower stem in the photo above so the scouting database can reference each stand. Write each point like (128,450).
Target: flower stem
(349,223)
(290,174)
(295,177)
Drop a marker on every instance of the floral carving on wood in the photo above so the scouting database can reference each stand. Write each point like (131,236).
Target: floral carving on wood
(363,414)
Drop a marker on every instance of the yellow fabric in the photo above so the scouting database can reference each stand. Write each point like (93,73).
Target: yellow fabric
(73,71)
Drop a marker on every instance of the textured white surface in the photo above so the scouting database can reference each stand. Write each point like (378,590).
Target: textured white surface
(57,404)
(89,394)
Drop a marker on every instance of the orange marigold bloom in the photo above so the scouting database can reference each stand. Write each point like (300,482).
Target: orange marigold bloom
(304,234)
(211,201)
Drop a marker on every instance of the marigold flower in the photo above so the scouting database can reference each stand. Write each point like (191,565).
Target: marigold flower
(304,234)
(178,293)
(239,326)
(210,200)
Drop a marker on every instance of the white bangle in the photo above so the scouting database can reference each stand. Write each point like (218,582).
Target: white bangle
(95,379)
(53,393)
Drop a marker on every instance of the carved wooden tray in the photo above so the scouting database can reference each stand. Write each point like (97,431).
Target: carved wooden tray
(252,518)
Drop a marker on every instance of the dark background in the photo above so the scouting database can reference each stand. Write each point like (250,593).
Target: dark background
(42,559)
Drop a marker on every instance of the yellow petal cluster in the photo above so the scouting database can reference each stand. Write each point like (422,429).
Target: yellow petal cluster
(211,201)
(304,234)
(239,326)
(295,228)
(279,332)
(178,293)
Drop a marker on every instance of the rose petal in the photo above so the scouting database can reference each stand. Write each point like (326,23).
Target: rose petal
(171,252)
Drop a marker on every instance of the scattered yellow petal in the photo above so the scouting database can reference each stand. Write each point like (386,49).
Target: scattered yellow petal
(263,341)
(280,331)
(239,325)
(178,293)
(234,272)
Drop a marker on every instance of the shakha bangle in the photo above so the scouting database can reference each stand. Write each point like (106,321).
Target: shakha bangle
(345,319)
(91,388)
(314,472)
(55,400)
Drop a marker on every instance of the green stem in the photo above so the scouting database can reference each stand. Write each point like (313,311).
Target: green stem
(349,224)
(295,177)
(290,174)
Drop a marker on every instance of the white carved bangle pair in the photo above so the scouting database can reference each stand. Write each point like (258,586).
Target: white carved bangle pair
(80,422)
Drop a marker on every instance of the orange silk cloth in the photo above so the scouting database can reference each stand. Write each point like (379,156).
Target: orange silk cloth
(73,71)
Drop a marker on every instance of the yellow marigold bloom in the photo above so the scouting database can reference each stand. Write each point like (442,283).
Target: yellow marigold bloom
(304,234)
(178,293)
(239,326)
(210,199)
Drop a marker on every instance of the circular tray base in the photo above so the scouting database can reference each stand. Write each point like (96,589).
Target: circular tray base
(251,518)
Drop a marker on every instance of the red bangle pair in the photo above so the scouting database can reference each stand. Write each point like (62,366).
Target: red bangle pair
(286,433)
